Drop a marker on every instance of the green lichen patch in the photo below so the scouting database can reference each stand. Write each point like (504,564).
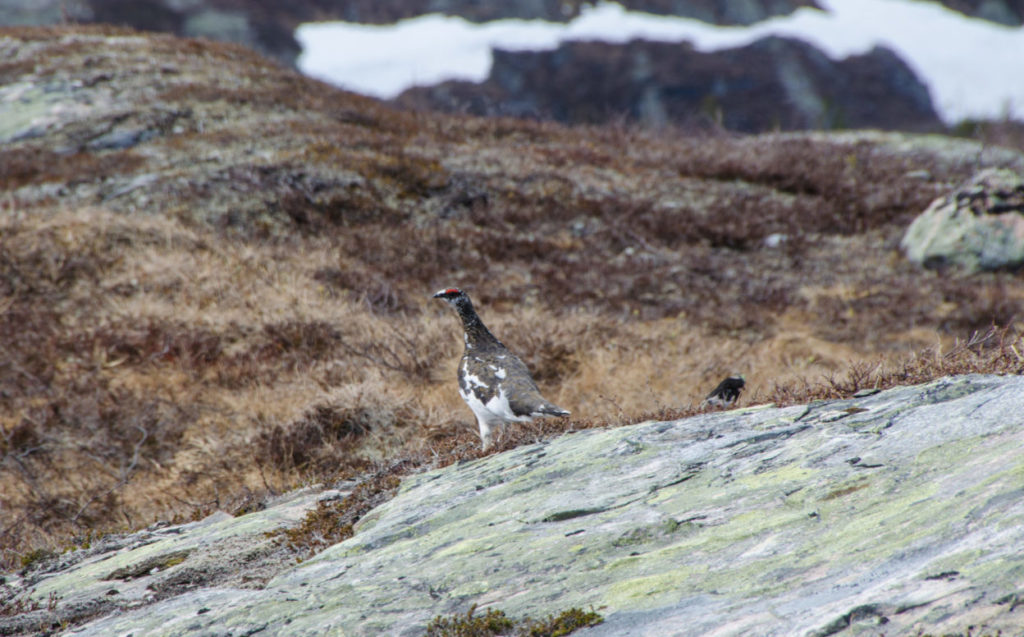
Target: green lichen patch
(786,474)
(656,590)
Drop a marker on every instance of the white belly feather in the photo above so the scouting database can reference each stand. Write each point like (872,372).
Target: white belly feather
(495,411)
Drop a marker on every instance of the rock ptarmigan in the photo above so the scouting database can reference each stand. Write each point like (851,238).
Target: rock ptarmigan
(726,393)
(492,380)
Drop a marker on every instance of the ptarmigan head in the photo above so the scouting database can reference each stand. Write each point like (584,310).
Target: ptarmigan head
(455,298)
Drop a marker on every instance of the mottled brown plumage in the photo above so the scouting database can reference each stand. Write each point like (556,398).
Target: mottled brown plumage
(495,384)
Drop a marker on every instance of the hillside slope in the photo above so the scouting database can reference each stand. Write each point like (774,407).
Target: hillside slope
(215,275)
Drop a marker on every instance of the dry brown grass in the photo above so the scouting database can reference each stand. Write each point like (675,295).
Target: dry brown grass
(256,314)
(150,374)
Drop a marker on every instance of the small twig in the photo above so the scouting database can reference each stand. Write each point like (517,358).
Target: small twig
(614,404)
(263,477)
(125,475)
(385,356)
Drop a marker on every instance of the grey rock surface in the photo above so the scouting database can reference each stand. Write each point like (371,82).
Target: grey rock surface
(892,513)
(980,226)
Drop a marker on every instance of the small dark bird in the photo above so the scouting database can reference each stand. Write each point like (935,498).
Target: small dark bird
(492,380)
(726,393)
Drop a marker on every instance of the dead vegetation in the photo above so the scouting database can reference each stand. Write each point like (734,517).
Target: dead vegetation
(494,623)
(239,303)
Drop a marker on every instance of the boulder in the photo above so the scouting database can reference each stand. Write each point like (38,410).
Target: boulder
(895,512)
(979,226)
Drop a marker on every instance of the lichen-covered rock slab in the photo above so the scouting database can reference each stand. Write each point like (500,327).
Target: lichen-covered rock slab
(896,512)
(124,572)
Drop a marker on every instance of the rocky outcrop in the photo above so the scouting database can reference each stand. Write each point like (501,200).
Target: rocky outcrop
(268,27)
(769,85)
(713,11)
(980,226)
(1008,12)
(120,573)
(892,513)
(717,11)
(773,83)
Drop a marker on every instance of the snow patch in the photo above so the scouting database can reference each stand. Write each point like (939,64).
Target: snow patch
(972,67)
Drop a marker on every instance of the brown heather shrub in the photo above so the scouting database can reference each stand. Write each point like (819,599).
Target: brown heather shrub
(151,341)
(854,187)
(329,438)
(980,307)
(20,167)
(297,344)
(351,206)
(494,623)
(332,521)
(365,288)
